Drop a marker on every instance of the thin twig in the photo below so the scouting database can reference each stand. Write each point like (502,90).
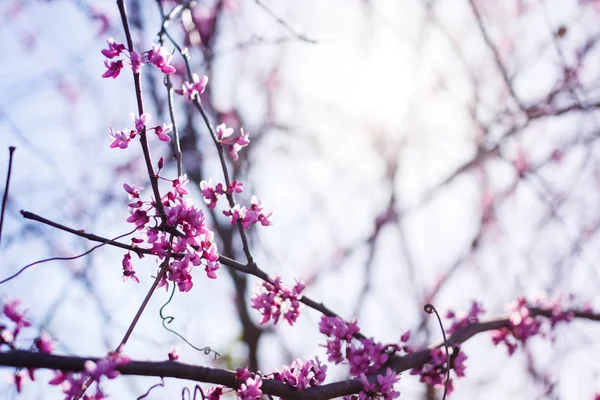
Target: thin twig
(11,150)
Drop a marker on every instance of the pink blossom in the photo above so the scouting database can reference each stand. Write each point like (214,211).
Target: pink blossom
(255,214)
(114,48)
(121,138)
(160,57)
(141,121)
(134,191)
(136,61)
(273,299)
(12,312)
(45,344)
(161,132)
(179,183)
(223,133)
(214,393)
(19,378)
(434,371)
(197,87)
(139,217)
(173,355)
(464,319)
(301,375)
(250,389)
(209,194)
(113,69)
(236,213)
(405,336)
(128,271)
(235,187)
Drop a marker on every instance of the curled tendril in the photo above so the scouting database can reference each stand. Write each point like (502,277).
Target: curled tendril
(197,389)
(168,319)
(430,309)
(162,384)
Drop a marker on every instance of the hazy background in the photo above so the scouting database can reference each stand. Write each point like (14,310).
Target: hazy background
(411,151)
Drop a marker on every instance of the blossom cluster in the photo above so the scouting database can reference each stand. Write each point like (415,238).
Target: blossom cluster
(272,298)
(8,337)
(364,355)
(250,389)
(211,194)
(121,139)
(72,384)
(249,216)
(523,325)
(157,56)
(232,144)
(462,320)
(434,372)
(194,247)
(383,389)
(302,375)
(194,88)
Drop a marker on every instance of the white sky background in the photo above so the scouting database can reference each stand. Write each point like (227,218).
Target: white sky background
(383,83)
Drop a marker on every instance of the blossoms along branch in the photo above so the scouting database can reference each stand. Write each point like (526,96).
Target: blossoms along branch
(170,227)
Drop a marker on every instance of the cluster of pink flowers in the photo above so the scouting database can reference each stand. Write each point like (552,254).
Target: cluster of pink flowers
(383,389)
(462,320)
(364,355)
(194,88)
(301,375)
(157,56)
(122,138)
(232,144)
(194,248)
(274,298)
(72,383)
(44,343)
(211,195)
(250,388)
(523,325)
(249,216)
(435,370)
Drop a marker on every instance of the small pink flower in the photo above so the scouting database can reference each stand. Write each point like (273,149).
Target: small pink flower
(45,344)
(160,57)
(113,69)
(136,62)
(12,312)
(197,87)
(141,121)
(179,183)
(237,212)
(250,390)
(114,48)
(173,355)
(161,132)
(121,139)
(134,191)
(223,132)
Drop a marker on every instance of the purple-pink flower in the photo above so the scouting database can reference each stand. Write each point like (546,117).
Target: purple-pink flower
(195,88)
(45,344)
(114,49)
(301,375)
(161,58)
(113,68)
(273,299)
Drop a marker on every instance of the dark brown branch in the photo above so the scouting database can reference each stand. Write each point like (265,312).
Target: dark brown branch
(24,359)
